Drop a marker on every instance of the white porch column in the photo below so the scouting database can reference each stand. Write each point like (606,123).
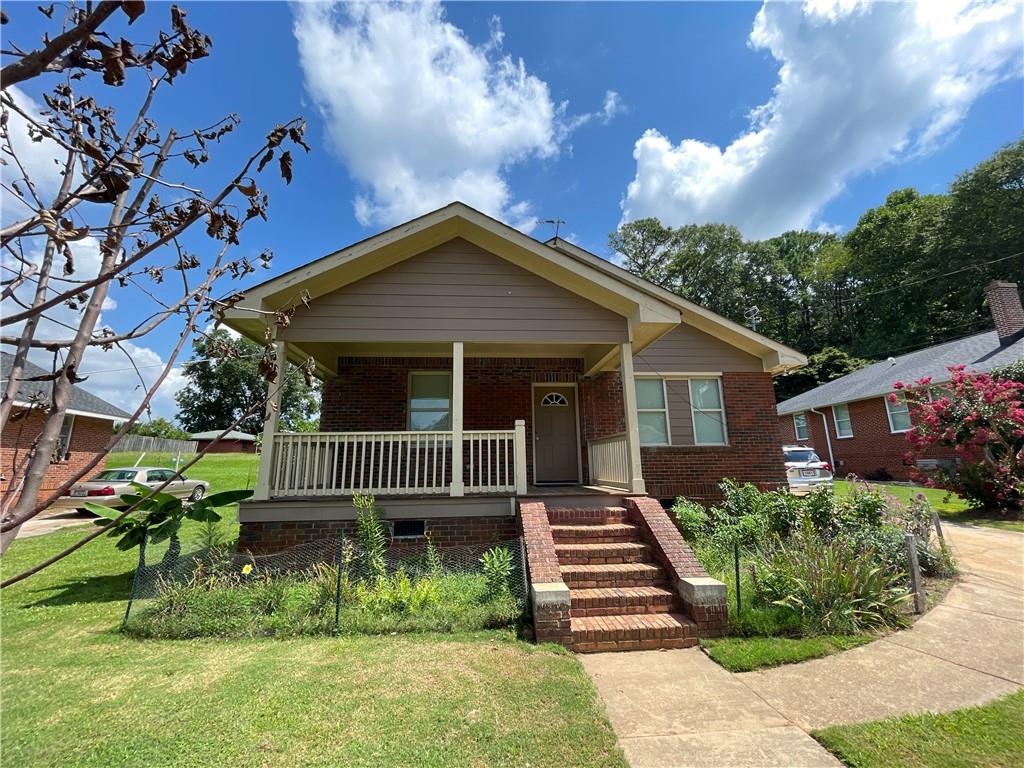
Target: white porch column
(273,414)
(519,449)
(458,487)
(636,475)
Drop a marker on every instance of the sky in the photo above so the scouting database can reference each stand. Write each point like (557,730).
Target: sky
(768,117)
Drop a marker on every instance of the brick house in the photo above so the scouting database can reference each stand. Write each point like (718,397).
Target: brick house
(474,382)
(232,442)
(87,428)
(850,421)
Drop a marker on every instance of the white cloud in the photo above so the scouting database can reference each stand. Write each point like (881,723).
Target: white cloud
(860,85)
(420,115)
(42,160)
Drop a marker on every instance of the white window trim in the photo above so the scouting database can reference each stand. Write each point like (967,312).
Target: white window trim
(71,433)
(888,415)
(721,410)
(664,410)
(835,421)
(807,426)
(408,399)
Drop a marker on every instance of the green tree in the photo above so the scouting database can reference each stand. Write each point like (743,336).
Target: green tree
(224,382)
(822,367)
(643,245)
(160,427)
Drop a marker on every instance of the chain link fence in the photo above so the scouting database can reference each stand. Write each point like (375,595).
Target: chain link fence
(331,585)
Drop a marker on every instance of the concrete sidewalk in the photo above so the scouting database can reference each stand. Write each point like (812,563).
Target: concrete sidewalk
(678,708)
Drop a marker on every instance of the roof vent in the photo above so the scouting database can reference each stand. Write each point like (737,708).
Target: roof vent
(1004,303)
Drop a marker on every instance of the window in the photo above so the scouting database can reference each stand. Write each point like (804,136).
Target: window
(898,413)
(841,417)
(63,449)
(800,456)
(430,401)
(651,411)
(800,426)
(708,412)
(554,399)
(409,529)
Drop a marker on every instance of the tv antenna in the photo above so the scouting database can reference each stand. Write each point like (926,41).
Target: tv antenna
(556,222)
(753,316)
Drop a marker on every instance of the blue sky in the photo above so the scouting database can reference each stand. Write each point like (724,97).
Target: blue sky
(767,118)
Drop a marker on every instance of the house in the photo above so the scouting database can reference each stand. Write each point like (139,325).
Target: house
(473,381)
(851,423)
(87,427)
(232,442)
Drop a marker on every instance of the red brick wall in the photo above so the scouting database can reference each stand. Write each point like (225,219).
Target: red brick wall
(872,448)
(753,453)
(371,393)
(261,538)
(227,446)
(88,437)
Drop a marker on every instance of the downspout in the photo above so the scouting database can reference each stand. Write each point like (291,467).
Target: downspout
(828,440)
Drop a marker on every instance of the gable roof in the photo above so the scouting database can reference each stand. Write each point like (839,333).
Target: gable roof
(82,402)
(979,353)
(651,311)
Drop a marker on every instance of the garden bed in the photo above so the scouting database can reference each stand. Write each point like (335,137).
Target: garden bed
(817,575)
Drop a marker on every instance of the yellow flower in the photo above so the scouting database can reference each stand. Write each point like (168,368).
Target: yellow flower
(247,569)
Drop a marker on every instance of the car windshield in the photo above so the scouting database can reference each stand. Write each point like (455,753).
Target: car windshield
(801,456)
(115,476)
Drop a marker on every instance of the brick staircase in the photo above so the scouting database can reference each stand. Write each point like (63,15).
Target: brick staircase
(620,597)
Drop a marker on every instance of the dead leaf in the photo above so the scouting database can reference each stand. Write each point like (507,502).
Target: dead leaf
(264,160)
(133,9)
(286,166)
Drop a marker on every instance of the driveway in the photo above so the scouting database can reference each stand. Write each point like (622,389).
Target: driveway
(678,708)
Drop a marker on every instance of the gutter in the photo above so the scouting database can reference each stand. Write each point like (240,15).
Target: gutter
(828,440)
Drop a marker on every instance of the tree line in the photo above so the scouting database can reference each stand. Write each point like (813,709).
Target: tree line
(910,274)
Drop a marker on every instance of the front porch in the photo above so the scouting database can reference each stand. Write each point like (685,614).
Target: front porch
(510,427)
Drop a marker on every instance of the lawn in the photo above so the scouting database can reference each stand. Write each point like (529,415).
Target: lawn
(991,735)
(744,654)
(949,506)
(77,692)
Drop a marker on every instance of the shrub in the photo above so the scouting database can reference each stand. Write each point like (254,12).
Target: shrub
(879,475)
(371,535)
(832,584)
(982,418)
(691,518)
(498,566)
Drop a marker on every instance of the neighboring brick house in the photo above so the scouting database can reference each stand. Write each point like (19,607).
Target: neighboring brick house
(851,423)
(469,369)
(233,442)
(86,430)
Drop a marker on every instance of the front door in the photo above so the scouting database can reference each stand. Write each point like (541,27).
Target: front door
(555,436)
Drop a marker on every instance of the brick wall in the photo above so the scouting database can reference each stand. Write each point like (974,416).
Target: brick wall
(371,393)
(260,538)
(872,448)
(227,446)
(88,437)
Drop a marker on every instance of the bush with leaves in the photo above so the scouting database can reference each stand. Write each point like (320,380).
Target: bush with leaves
(371,535)
(691,518)
(498,566)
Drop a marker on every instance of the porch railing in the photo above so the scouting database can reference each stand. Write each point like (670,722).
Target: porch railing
(609,460)
(395,463)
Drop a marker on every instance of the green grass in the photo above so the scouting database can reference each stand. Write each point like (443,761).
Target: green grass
(743,654)
(949,506)
(991,735)
(78,693)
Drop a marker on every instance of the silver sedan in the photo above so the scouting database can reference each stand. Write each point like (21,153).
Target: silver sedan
(107,487)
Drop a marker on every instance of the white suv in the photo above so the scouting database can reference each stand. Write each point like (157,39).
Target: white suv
(804,470)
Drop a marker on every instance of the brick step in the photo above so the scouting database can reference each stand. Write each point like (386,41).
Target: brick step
(592,533)
(603,553)
(593,515)
(634,632)
(615,575)
(613,601)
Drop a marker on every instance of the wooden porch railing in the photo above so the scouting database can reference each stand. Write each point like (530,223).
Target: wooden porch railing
(609,461)
(394,463)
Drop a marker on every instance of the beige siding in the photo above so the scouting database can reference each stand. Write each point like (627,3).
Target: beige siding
(455,292)
(687,350)
(679,418)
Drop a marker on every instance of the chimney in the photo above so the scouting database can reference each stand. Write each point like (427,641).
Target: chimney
(1004,303)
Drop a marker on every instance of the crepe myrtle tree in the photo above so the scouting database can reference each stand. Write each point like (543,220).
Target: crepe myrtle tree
(981,418)
(113,167)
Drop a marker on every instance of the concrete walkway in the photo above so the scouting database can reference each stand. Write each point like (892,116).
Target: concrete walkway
(678,708)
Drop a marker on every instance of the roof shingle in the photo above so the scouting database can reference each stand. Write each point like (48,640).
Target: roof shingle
(82,402)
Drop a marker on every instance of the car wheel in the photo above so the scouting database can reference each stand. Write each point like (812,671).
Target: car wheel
(197,493)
